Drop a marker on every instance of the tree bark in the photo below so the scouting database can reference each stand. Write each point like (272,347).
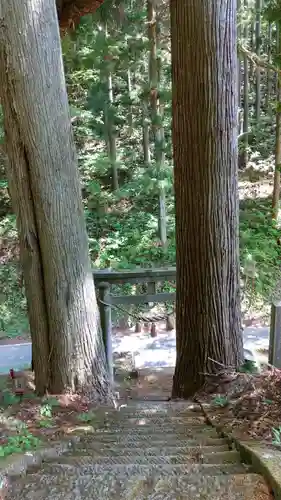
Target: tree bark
(244,154)
(109,126)
(269,72)
(204,78)
(45,188)
(156,116)
(276,181)
(258,52)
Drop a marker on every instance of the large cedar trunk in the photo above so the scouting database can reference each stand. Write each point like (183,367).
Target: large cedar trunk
(204,74)
(46,196)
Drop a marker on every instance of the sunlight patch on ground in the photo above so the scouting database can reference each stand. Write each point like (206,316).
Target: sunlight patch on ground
(260,189)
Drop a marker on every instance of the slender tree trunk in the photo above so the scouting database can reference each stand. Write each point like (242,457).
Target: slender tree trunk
(206,189)
(111,134)
(130,108)
(45,189)
(239,58)
(145,134)
(258,52)
(244,159)
(109,121)
(269,71)
(276,182)
(156,117)
(253,48)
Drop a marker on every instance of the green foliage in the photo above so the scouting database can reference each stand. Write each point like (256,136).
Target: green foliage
(46,423)
(87,417)
(220,401)
(46,411)
(8,398)
(22,442)
(258,239)
(248,367)
(123,225)
(272,11)
(276,436)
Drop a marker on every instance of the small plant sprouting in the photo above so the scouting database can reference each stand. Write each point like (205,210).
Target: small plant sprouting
(276,436)
(46,411)
(45,423)
(86,417)
(248,366)
(220,401)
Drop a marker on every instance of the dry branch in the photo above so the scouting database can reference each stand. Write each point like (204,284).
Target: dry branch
(258,61)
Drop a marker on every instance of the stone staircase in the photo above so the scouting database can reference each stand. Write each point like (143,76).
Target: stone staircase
(144,451)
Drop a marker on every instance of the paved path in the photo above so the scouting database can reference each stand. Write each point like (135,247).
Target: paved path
(159,351)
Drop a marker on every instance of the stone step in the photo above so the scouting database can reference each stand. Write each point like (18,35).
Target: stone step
(177,430)
(84,466)
(132,412)
(194,456)
(157,486)
(151,407)
(124,422)
(148,440)
(159,406)
(169,412)
(180,430)
(156,440)
(187,430)
(102,451)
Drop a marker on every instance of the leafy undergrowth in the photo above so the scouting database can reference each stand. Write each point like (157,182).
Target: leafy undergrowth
(28,424)
(249,405)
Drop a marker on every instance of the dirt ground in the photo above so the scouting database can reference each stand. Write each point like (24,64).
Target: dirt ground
(155,385)
(249,405)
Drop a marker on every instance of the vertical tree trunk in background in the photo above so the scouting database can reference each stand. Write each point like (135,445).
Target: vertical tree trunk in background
(111,133)
(109,117)
(45,188)
(130,107)
(252,48)
(276,182)
(269,71)
(206,189)
(258,52)
(244,160)
(145,134)
(156,117)
(239,58)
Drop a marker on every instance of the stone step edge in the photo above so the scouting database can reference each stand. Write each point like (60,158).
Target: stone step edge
(87,446)
(214,458)
(148,440)
(197,468)
(171,434)
(154,427)
(264,460)
(154,450)
(163,424)
(149,412)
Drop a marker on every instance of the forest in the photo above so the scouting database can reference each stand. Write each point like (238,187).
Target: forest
(140,163)
(119,73)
